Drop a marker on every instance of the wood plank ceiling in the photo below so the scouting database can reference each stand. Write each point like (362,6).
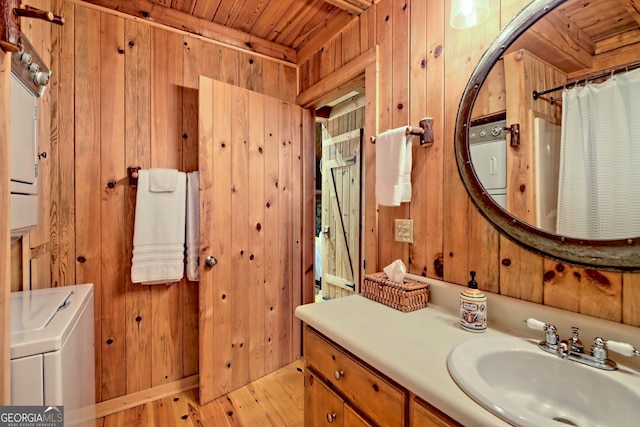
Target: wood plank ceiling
(581,37)
(275,28)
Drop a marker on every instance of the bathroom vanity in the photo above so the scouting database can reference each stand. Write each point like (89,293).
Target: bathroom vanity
(359,389)
(368,364)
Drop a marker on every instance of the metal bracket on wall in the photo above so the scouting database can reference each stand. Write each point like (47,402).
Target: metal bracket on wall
(426,139)
(514,129)
(132,174)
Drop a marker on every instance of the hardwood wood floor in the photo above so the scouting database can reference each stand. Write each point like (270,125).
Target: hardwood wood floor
(274,400)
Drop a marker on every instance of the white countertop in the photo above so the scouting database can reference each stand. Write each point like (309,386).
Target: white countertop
(412,348)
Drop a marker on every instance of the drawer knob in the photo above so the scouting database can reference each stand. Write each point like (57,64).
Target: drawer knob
(331,417)
(338,374)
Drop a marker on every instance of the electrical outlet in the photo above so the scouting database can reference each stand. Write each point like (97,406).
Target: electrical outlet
(404,230)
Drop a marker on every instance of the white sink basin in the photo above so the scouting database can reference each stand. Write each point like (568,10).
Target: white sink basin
(525,386)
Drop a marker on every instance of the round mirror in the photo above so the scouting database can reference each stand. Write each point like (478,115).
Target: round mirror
(547,141)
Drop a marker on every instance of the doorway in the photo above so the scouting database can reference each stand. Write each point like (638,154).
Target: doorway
(339,201)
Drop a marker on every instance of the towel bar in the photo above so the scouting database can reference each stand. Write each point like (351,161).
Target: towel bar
(425,131)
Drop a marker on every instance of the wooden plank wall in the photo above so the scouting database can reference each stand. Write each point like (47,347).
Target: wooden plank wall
(125,94)
(423,67)
(39,34)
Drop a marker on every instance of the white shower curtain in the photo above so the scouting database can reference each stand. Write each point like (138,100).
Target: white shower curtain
(599,183)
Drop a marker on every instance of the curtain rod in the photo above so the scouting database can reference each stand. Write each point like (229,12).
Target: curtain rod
(537,94)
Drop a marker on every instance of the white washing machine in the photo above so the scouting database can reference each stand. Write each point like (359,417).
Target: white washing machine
(52,351)
(488,151)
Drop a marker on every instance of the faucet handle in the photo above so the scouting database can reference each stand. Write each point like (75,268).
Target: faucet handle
(597,350)
(551,336)
(535,324)
(622,347)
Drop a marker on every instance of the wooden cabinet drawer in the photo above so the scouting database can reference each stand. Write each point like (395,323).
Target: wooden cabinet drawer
(322,407)
(353,419)
(425,415)
(382,401)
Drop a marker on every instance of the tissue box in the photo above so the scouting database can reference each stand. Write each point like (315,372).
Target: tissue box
(408,296)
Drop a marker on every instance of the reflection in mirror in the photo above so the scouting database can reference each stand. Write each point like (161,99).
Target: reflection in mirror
(569,81)
(566,191)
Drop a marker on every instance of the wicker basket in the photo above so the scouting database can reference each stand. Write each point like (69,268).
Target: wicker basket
(409,296)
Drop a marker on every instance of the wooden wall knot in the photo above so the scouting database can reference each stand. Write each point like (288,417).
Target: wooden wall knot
(437,51)
(506,262)
(438,265)
(598,278)
(549,275)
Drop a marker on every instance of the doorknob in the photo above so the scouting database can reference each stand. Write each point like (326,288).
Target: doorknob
(210,261)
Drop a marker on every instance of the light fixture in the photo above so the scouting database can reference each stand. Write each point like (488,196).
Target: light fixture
(468,13)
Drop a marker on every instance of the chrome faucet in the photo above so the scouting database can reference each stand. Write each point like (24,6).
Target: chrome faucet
(576,344)
(574,350)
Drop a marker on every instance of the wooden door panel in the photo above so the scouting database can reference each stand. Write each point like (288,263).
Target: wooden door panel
(341,212)
(246,223)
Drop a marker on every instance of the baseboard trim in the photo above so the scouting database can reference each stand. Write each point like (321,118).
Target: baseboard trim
(111,406)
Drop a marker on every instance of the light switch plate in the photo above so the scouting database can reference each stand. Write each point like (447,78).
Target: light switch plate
(404,230)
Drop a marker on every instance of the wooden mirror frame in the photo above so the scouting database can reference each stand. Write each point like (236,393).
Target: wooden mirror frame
(611,255)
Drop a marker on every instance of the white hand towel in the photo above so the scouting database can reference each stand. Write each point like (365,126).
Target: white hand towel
(393,167)
(159,232)
(193,225)
(163,180)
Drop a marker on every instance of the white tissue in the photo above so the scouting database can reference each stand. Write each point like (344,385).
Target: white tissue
(396,271)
